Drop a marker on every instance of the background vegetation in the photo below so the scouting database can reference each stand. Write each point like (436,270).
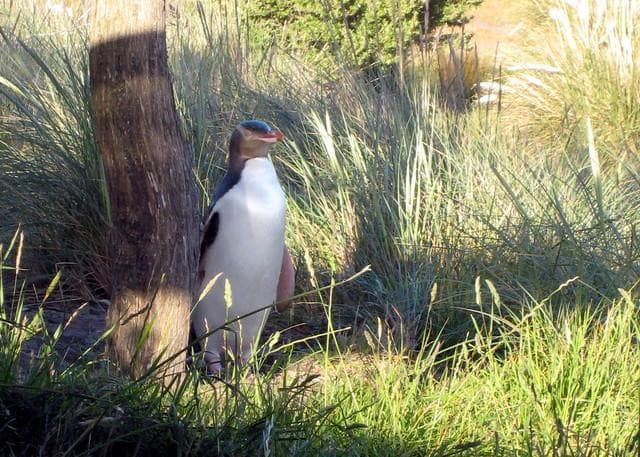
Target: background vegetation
(499,314)
(360,33)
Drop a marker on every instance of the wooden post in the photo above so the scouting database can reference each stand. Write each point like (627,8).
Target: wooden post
(153,239)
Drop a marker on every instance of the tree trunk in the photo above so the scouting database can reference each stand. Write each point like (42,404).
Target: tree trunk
(153,239)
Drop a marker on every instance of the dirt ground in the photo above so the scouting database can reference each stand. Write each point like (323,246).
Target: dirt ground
(499,29)
(82,323)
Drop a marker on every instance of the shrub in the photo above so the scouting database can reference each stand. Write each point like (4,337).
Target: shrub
(362,32)
(450,11)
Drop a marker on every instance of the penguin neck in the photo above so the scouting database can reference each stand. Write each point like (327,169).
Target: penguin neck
(239,154)
(236,165)
(236,159)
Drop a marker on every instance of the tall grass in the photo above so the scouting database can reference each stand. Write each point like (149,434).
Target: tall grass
(539,384)
(382,176)
(80,409)
(435,201)
(593,47)
(52,183)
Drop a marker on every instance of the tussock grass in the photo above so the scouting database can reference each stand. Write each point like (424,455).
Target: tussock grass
(443,201)
(537,384)
(589,49)
(80,409)
(52,180)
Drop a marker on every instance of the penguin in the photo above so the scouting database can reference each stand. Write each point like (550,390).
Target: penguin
(242,249)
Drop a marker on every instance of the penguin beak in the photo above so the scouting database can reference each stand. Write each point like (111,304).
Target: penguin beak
(271,137)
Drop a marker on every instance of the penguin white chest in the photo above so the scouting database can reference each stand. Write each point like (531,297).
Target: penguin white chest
(252,221)
(247,252)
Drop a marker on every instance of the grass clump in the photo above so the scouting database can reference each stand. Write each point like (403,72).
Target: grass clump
(587,69)
(431,202)
(52,180)
(77,409)
(541,381)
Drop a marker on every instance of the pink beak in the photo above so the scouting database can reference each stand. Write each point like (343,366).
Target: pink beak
(271,137)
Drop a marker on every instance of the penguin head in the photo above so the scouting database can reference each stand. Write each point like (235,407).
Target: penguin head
(251,139)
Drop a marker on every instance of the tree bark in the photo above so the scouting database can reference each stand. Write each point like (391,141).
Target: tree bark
(153,239)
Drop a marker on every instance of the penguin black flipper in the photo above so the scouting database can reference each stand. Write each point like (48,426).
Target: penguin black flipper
(212,222)
(210,233)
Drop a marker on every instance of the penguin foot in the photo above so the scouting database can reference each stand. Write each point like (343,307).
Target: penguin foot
(213,363)
(214,368)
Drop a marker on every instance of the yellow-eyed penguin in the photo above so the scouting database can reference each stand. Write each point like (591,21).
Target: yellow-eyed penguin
(243,243)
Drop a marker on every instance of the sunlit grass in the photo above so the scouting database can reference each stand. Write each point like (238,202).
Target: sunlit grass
(589,49)
(533,383)
(542,380)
